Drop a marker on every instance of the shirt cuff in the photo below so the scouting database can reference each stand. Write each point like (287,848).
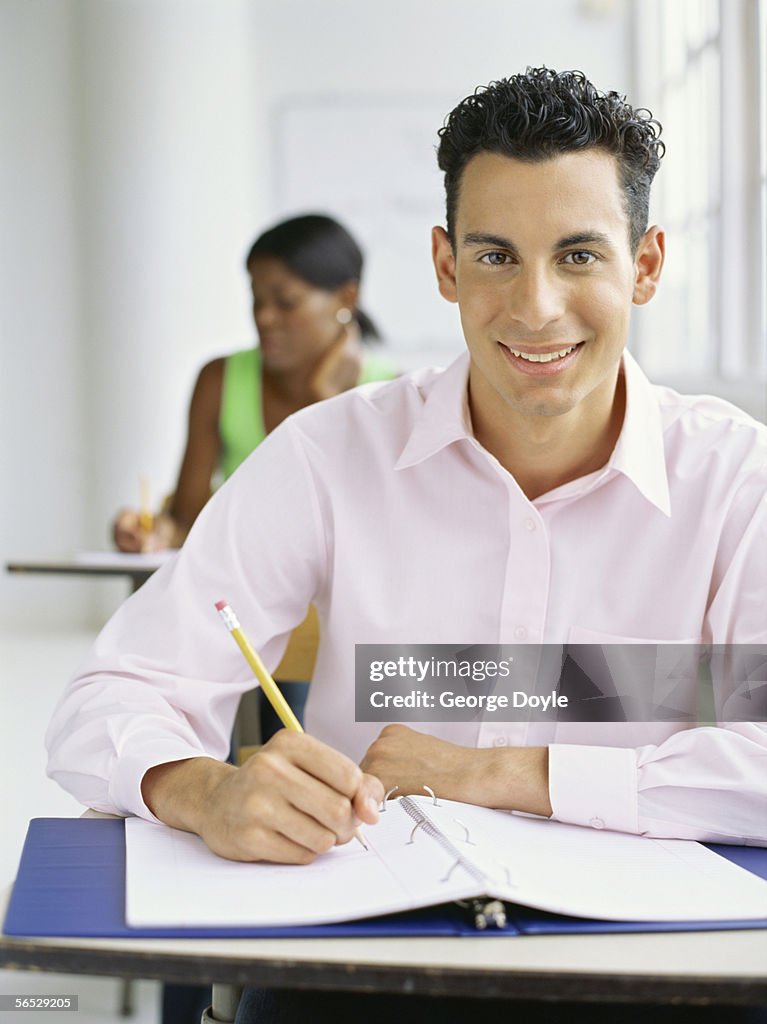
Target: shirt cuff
(594,786)
(125,784)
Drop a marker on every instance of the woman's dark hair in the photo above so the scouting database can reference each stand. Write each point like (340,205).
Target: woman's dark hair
(543,113)
(319,251)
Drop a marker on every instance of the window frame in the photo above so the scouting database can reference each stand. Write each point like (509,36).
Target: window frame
(731,293)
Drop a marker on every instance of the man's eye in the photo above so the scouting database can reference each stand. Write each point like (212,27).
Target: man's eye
(495,259)
(581,258)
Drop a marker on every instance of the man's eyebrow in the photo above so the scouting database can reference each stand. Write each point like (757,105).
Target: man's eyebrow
(480,238)
(584,238)
(499,242)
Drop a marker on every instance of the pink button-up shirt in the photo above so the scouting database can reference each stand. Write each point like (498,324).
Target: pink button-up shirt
(382,508)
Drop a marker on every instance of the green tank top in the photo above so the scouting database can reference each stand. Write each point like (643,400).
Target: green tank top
(241,420)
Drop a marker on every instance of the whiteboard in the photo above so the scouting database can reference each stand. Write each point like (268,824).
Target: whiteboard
(371,162)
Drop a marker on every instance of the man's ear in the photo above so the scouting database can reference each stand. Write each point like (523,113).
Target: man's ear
(648,264)
(444,263)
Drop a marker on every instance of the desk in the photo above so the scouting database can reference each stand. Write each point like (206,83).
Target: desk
(701,968)
(137,568)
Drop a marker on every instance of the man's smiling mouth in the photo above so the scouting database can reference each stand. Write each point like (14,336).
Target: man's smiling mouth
(542,357)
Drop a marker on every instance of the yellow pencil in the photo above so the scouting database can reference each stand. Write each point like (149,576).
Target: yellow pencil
(145,517)
(260,671)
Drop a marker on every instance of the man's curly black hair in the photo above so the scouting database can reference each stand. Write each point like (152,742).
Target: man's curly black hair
(543,113)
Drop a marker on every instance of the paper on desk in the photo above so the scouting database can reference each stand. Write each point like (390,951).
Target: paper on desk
(149,560)
(596,873)
(174,880)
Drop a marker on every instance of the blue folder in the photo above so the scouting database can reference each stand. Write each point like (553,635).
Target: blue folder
(71,882)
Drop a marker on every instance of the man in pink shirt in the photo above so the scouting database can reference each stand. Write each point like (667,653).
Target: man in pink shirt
(539,489)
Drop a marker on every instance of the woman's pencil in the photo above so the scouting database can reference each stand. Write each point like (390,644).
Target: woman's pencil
(145,517)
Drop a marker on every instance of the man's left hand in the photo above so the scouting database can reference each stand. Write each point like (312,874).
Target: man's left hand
(515,778)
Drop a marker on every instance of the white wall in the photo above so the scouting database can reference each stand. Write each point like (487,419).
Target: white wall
(130,176)
(144,145)
(170,165)
(42,395)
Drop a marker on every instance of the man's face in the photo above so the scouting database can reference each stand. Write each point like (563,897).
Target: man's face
(544,278)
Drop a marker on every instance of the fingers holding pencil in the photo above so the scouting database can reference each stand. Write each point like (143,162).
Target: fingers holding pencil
(292,800)
(349,794)
(324,784)
(130,536)
(345,794)
(366,805)
(139,530)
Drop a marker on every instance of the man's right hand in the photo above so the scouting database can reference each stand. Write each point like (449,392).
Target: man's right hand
(292,800)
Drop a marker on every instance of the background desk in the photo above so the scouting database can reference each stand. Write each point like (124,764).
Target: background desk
(136,568)
(725,968)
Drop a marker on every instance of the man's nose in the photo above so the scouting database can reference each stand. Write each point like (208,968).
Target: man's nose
(536,298)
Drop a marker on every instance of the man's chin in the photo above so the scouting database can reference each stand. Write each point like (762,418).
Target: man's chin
(542,405)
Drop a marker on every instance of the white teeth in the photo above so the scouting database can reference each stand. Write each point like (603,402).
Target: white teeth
(542,357)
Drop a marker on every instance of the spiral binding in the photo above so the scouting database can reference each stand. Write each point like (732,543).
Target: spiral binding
(423,821)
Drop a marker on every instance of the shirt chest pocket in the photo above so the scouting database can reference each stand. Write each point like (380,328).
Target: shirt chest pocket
(633,679)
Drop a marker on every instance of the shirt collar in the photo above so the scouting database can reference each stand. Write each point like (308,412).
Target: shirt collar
(639,453)
(444,417)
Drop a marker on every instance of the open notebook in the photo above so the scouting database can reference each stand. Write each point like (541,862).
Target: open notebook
(422,854)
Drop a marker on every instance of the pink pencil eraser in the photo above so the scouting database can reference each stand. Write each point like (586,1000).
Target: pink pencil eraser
(220,605)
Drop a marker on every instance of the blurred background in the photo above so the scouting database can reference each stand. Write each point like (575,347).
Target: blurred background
(144,144)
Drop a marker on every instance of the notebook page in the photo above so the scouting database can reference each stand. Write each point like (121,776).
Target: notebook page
(174,880)
(585,872)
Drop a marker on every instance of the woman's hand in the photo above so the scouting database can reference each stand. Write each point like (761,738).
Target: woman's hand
(129,535)
(339,368)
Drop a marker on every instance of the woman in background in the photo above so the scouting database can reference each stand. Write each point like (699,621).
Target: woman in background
(305,276)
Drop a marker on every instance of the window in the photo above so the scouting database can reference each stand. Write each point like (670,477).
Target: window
(701,69)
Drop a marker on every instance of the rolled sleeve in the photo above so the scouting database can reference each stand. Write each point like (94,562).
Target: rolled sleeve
(594,786)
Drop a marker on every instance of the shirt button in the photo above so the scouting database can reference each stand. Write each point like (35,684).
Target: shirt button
(520,633)
(597,823)
(500,741)
(530,525)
